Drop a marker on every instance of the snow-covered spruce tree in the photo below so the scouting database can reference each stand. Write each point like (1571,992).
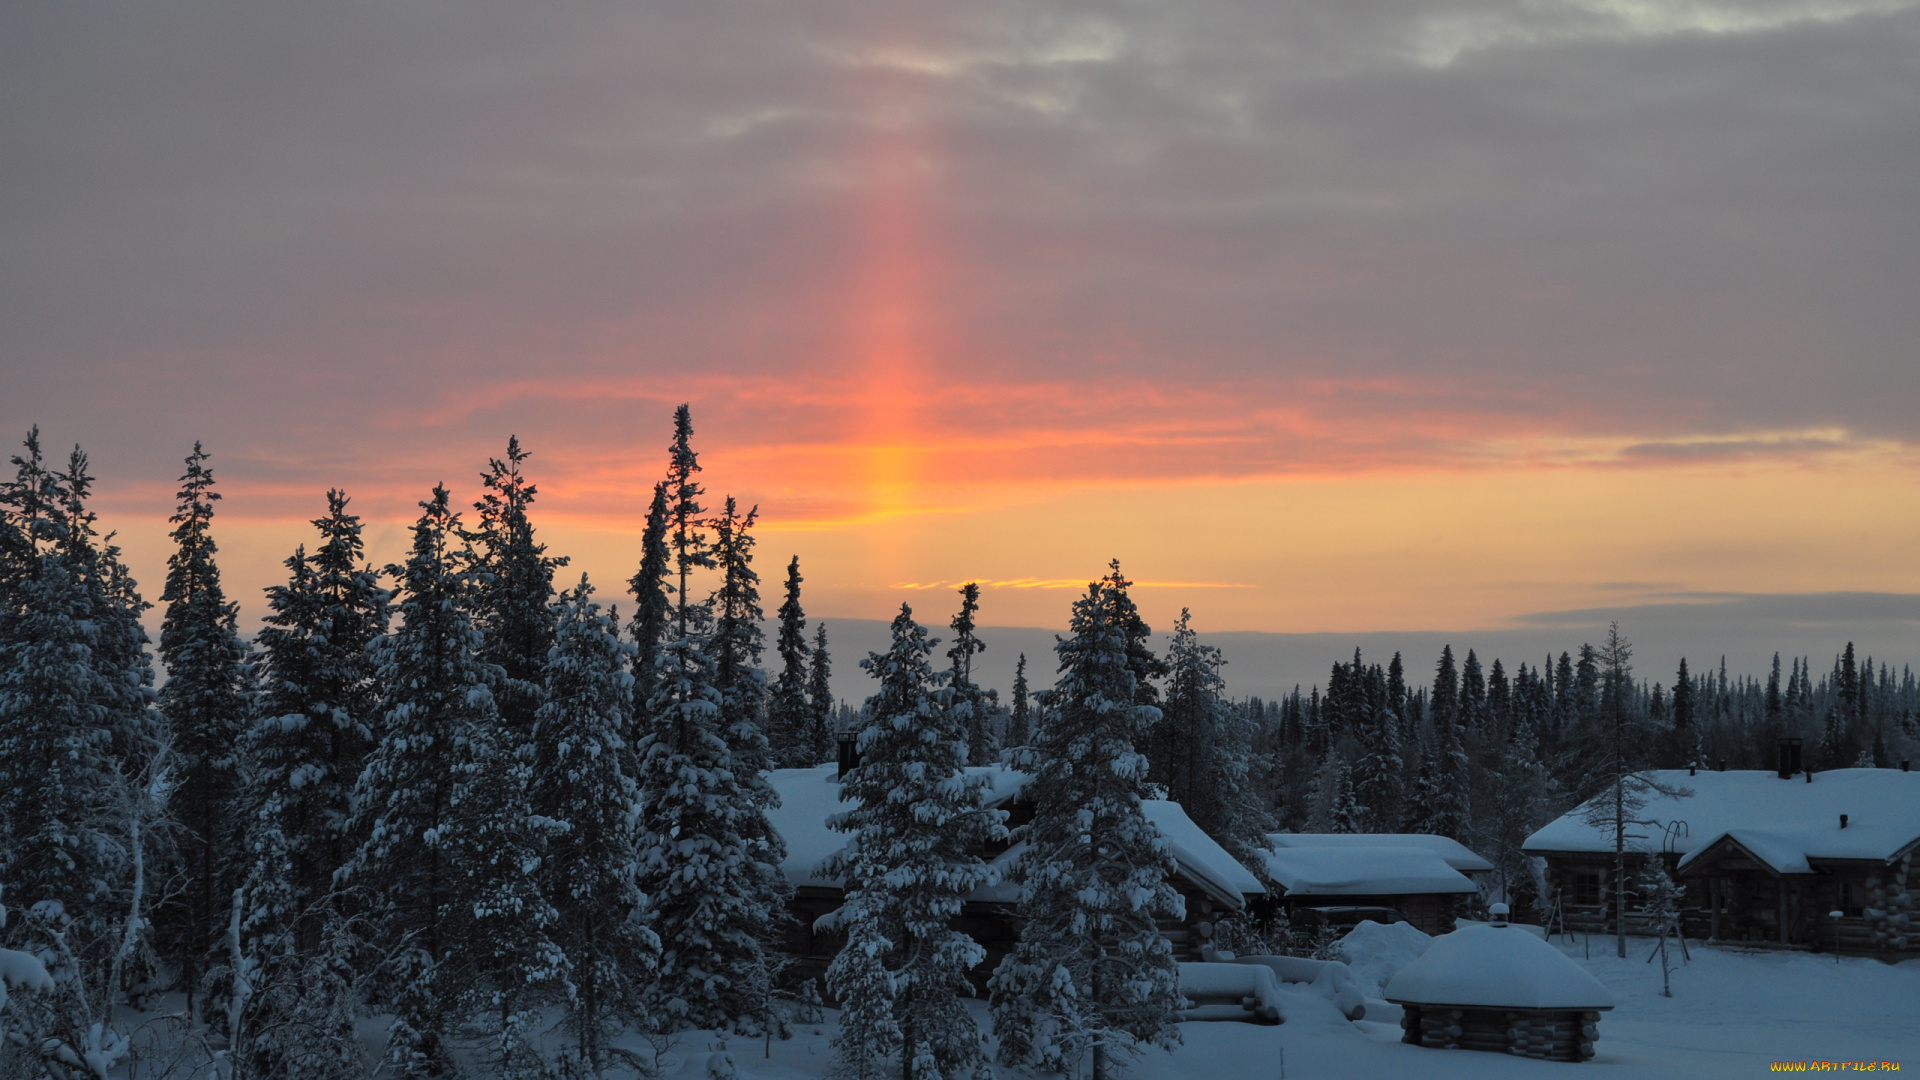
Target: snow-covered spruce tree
(1335,809)
(1208,743)
(1378,775)
(118,651)
(512,590)
(820,734)
(789,713)
(1020,717)
(917,826)
(205,701)
(310,734)
(1517,804)
(652,611)
(57,773)
(75,716)
(504,965)
(685,540)
(707,862)
(1448,803)
(1091,972)
(312,728)
(415,796)
(736,644)
(583,783)
(869,1033)
(976,708)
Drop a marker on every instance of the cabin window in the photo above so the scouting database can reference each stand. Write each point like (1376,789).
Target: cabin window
(1584,890)
(1853,899)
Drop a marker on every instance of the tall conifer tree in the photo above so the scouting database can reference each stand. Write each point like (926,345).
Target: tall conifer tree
(583,782)
(820,698)
(1020,719)
(1209,743)
(434,708)
(1091,973)
(205,701)
(653,610)
(975,707)
(918,825)
(512,591)
(790,714)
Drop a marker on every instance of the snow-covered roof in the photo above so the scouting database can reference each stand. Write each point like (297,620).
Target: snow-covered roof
(1364,870)
(1456,854)
(1497,967)
(808,797)
(1783,823)
(1201,859)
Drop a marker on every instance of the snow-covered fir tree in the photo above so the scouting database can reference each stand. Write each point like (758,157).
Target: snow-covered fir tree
(653,610)
(1378,774)
(707,858)
(1335,809)
(76,722)
(503,966)
(1020,716)
(1517,803)
(512,590)
(683,533)
(57,772)
(917,828)
(976,708)
(205,701)
(1091,973)
(437,701)
(1443,803)
(820,734)
(311,730)
(1208,744)
(736,642)
(302,752)
(789,713)
(583,783)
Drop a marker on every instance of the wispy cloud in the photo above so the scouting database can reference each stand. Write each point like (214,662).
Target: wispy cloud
(1058,583)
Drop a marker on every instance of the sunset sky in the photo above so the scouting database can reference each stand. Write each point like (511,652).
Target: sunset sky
(1320,316)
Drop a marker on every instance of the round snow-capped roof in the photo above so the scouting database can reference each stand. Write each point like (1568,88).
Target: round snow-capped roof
(1500,967)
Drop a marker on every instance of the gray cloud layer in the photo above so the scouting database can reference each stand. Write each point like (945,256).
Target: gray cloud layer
(246,222)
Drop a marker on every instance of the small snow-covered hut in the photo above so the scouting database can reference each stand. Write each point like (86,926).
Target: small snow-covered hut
(1498,987)
(1424,877)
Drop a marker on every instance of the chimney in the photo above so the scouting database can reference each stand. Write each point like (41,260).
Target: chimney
(849,754)
(1690,770)
(1903,765)
(1723,764)
(1843,821)
(1789,761)
(1498,914)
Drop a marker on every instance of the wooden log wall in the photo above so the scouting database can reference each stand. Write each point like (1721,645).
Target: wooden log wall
(1543,1034)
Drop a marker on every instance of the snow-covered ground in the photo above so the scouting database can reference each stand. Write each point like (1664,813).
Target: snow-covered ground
(1731,1014)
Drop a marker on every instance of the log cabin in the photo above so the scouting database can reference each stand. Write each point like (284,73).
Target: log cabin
(1425,878)
(1788,858)
(1210,880)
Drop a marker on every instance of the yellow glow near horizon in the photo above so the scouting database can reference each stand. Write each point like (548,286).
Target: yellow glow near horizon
(1431,550)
